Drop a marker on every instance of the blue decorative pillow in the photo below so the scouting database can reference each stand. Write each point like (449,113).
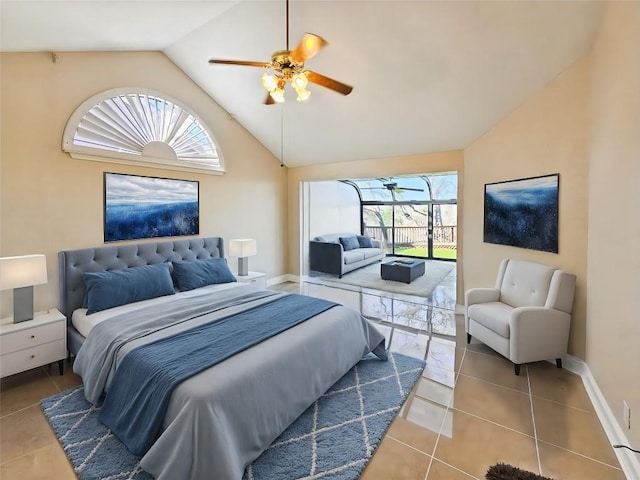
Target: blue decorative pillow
(119,287)
(199,273)
(349,243)
(364,241)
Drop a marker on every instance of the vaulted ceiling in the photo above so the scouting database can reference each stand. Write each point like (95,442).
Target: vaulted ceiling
(427,75)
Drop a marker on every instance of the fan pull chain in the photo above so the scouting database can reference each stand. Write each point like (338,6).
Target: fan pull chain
(282,137)
(287,27)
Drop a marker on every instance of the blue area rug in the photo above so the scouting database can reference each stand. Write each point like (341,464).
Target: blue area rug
(333,439)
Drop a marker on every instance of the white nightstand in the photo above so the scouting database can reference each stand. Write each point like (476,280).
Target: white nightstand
(33,343)
(255,278)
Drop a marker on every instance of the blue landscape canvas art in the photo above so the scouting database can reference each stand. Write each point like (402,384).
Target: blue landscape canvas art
(523,213)
(146,207)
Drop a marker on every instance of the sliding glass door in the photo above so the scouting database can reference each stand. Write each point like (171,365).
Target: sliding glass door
(411,216)
(378,224)
(411,233)
(445,231)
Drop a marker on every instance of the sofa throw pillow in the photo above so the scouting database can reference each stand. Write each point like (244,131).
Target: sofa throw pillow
(364,241)
(349,243)
(200,273)
(119,287)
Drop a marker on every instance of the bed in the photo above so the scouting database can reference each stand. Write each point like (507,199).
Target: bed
(221,418)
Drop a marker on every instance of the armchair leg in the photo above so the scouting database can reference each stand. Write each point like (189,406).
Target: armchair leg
(517,368)
(468,338)
(559,362)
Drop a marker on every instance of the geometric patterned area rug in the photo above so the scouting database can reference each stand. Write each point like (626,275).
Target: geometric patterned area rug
(334,438)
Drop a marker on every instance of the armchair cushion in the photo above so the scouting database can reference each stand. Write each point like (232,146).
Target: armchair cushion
(525,283)
(494,315)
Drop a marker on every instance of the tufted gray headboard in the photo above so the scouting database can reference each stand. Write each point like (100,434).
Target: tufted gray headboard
(73,263)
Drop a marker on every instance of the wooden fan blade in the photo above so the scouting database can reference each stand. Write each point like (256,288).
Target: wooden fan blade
(269,100)
(240,62)
(308,47)
(329,83)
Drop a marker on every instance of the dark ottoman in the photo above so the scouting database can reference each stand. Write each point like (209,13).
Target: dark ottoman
(401,271)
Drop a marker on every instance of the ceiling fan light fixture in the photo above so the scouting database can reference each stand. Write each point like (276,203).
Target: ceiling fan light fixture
(299,81)
(289,65)
(269,82)
(277,95)
(303,95)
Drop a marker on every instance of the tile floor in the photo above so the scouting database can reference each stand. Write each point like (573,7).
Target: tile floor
(467,412)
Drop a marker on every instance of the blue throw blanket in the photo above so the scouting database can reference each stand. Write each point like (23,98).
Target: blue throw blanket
(135,405)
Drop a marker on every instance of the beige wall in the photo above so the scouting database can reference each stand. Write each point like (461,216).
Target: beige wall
(546,134)
(613,318)
(51,202)
(451,161)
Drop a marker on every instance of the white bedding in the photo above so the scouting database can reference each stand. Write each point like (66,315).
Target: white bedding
(84,323)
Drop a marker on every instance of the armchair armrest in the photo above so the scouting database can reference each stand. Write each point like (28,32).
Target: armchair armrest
(538,333)
(478,295)
(325,257)
(481,295)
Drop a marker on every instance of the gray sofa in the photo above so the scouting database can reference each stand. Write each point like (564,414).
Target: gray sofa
(327,253)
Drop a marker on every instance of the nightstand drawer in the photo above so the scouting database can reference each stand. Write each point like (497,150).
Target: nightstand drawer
(33,357)
(256,279)
(31,337)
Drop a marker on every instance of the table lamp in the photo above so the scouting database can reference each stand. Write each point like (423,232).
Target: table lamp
(243,248)
(21,274)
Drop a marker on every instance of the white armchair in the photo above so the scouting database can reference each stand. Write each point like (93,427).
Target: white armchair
(527,316)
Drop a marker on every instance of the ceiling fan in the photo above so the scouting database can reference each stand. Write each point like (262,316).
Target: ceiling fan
(289,67)
(393,187)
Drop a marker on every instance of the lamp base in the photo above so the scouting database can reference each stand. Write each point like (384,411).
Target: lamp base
(22,304)
(243,266)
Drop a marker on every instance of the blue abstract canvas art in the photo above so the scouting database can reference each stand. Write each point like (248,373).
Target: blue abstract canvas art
(523,213)
(146,207)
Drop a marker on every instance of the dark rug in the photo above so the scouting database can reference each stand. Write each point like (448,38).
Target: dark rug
(334,438)
(502,471)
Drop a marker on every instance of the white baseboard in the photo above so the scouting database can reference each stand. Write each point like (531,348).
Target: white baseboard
(628,460)
(282,278)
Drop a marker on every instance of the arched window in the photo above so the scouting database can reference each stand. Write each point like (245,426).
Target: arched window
(140,127)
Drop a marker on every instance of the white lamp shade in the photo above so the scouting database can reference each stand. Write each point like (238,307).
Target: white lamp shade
(23,271)
(242,247)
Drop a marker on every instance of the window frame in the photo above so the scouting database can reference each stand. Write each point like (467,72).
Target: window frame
(110,156)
